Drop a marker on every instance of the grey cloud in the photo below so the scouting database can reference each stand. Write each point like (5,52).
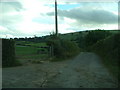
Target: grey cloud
(11,6)
(18,6)
(11,20)
(11,30)
(88,16)
(6,9)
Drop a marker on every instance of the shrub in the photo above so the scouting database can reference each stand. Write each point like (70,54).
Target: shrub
(70,48)
(63,48)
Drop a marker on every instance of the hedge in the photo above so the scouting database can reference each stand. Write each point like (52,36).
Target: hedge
(8,53)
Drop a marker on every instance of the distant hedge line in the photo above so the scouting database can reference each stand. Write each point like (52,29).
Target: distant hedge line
(8,53)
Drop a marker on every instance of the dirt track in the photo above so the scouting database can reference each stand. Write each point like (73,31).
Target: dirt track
(84,71)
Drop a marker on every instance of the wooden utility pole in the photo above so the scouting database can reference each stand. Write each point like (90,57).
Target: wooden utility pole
(56,30)
(56,21)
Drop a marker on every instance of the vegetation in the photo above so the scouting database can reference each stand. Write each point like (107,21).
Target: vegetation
(62,48)
(106,44)
(32,44)
(109,50)
(20,50)
(91,38)
(30,52)
(103,42)
(8,53)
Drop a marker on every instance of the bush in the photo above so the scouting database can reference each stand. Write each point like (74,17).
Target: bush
(58,49)
(63,48)
(8,53)
(70,48)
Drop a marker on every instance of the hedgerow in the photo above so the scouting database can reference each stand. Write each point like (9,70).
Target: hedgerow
(8,53)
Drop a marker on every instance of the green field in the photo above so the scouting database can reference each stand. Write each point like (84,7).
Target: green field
(25,50)
(30,43)
(26,53)
(37,44)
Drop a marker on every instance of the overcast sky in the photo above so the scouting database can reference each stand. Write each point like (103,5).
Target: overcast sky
(26,18)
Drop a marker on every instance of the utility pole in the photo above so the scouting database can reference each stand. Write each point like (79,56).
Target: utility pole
(56,29)
(56,21)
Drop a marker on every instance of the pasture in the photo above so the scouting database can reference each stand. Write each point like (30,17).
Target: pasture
(29,52)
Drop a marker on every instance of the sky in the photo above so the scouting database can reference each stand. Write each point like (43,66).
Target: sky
(26,18)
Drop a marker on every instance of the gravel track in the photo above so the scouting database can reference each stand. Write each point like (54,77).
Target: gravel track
(84,71)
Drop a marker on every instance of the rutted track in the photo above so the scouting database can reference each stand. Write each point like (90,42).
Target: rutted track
(84,71)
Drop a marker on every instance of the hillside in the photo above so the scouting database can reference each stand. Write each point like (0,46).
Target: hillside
(75,35)
(68,36)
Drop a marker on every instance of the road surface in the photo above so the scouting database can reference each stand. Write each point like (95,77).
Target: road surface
(84,71)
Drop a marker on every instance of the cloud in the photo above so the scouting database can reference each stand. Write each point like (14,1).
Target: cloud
(10,13)
(36,17)
(7,32)
(25,18)
(88,16)
(10,7)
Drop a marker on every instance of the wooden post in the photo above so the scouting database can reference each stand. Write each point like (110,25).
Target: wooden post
(51,51)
